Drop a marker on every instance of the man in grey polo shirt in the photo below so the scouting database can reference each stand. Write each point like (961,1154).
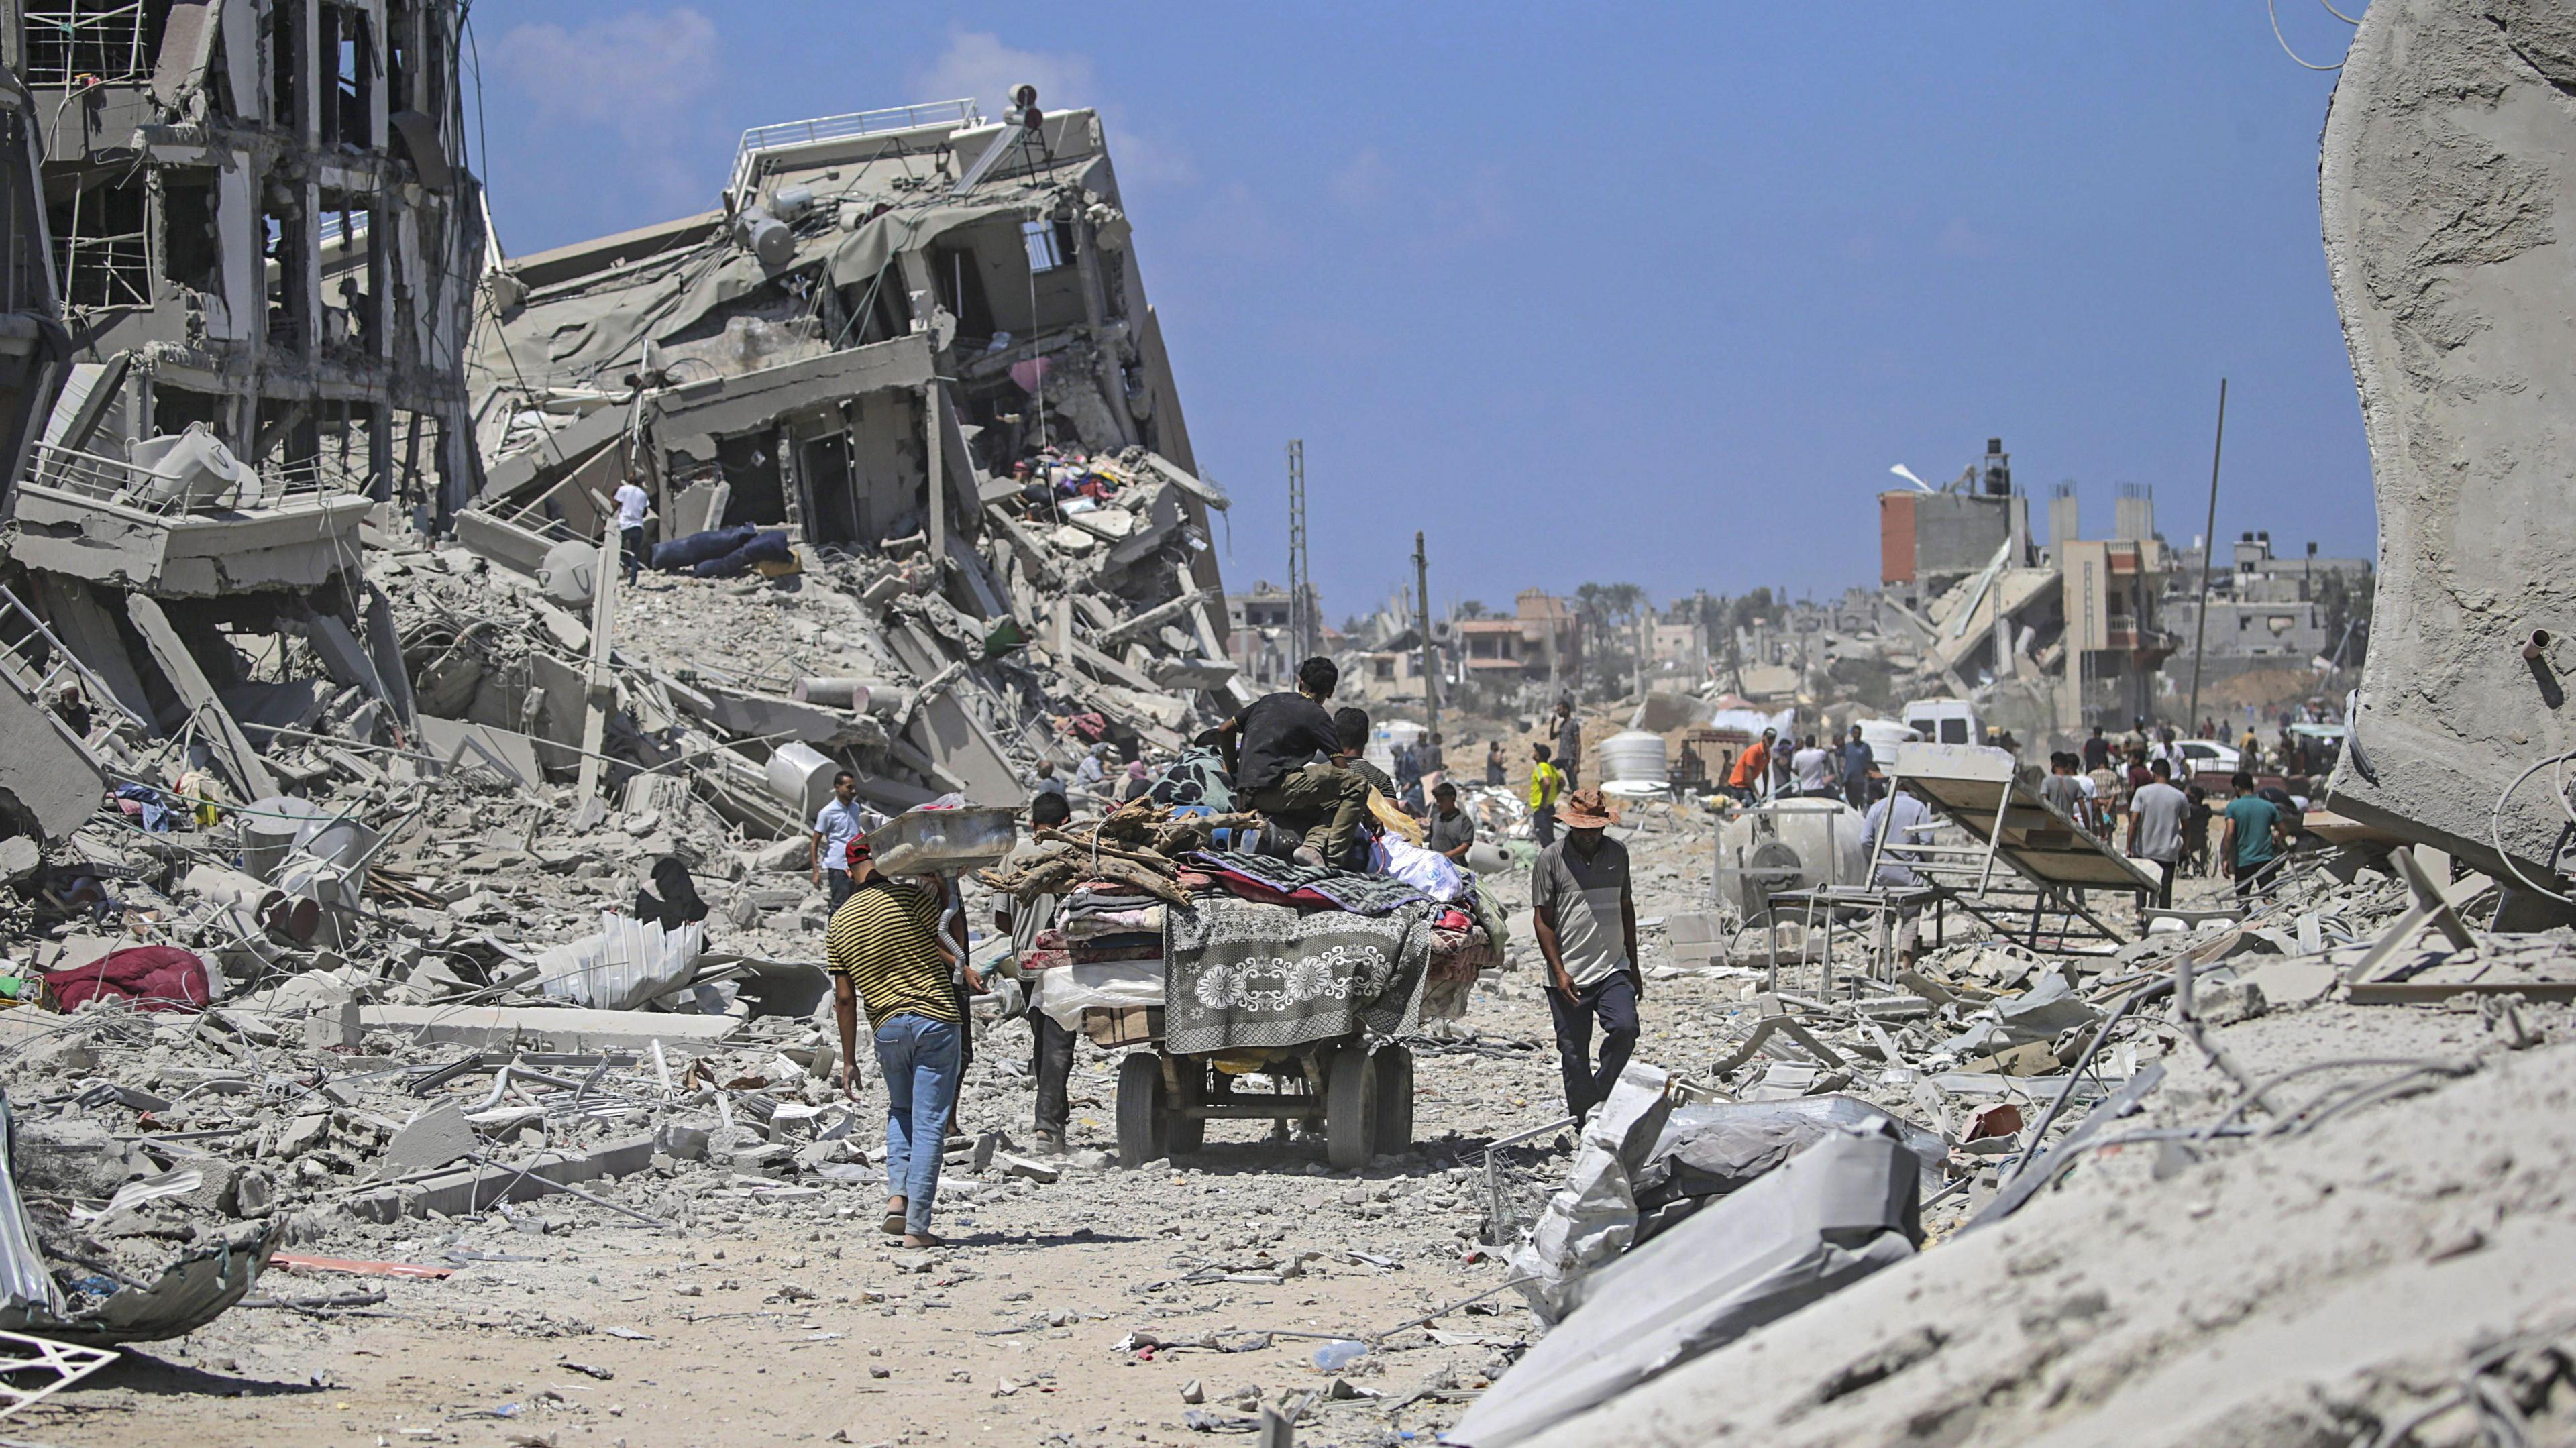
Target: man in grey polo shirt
(1452,830)
(1586,923)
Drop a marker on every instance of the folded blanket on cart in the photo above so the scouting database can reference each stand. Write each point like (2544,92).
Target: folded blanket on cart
(1047,952)
(1287,882)
(1146,919)
(1103,896)
(1103,949)
(1241,975)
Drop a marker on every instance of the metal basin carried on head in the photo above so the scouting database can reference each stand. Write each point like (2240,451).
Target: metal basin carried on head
(934,841)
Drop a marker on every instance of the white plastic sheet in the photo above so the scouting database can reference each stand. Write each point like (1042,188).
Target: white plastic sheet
(1593,1217)
(1835,1213)
(627,963)
(1429,871)
(1064,992)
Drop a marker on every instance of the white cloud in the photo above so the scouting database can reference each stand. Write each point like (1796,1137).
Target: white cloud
(977,63)
(638,75)
(1364,180)
(1144,160)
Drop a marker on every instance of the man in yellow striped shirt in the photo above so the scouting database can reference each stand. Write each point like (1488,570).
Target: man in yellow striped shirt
(886,952)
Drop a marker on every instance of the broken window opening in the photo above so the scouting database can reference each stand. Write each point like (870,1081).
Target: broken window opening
(750,467)
(342,44)
(832,515)
(1049,244)
(349,313)
(961,290)
(173,408)
(191,248)
(286,99)
(118,42)
(101,250)
(398,78)
(288,304)
(878,311)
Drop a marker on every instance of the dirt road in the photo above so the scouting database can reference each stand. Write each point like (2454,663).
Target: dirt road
(784,1317)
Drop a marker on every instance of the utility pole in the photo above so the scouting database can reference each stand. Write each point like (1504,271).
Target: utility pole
(1552,695)
(1422,604)
(2208,559)
(1302,630)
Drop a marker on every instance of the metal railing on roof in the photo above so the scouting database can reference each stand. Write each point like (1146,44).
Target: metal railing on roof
(959,113)
(115,480)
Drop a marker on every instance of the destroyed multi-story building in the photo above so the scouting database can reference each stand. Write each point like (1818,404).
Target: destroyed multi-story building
(889,313)
(1930,539)
(1541,643)
(2265,611)
(265,241)
(263,226)
(1261,633)
(915,347)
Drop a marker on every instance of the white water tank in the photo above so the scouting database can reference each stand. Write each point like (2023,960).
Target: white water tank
(1791,844)
(800,776)
(1634,757)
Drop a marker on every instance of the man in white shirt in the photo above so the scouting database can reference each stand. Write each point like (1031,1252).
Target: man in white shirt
(632,504)
(841,820)
(2155,826)
(1814,769)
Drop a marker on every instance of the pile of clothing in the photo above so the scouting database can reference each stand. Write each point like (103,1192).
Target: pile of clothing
(1108,924)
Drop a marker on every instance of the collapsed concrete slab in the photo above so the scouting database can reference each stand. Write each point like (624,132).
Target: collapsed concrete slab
(476,1189)
(2446,180)
(564,1029)
(49,783)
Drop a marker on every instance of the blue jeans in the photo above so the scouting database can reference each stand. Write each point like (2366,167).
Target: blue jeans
(918,1057)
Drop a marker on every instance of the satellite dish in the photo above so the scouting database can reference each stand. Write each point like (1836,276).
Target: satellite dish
(1902,471)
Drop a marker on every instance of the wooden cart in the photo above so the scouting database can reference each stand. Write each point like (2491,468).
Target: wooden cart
(1362,1098)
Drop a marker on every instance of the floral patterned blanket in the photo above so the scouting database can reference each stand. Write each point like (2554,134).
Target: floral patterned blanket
(1239,974)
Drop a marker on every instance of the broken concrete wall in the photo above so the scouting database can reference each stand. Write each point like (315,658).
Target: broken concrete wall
(48,783)
(2447,186)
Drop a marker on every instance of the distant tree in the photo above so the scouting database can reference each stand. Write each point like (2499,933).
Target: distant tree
(1472,608)
(1589,612)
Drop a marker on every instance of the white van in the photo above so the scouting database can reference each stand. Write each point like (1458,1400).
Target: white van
(1945,721)
(1883,735)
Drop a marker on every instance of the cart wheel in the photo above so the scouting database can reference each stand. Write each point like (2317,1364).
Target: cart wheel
(1350,1109)
(1186,1134)
(1394,1100)
(1142,1120)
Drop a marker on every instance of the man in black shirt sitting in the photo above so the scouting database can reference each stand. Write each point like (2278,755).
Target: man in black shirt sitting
(1279,750)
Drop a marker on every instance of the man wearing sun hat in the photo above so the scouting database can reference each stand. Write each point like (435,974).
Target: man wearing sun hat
(1586,923)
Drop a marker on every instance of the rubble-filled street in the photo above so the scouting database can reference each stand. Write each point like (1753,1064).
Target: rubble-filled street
(679,838)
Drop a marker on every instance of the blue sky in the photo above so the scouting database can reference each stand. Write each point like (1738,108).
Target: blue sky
(1652,294)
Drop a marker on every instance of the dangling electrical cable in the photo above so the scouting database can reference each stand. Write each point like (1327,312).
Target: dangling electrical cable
(2272,9)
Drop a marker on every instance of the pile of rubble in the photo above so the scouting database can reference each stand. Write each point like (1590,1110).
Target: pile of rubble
(2234,1056)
